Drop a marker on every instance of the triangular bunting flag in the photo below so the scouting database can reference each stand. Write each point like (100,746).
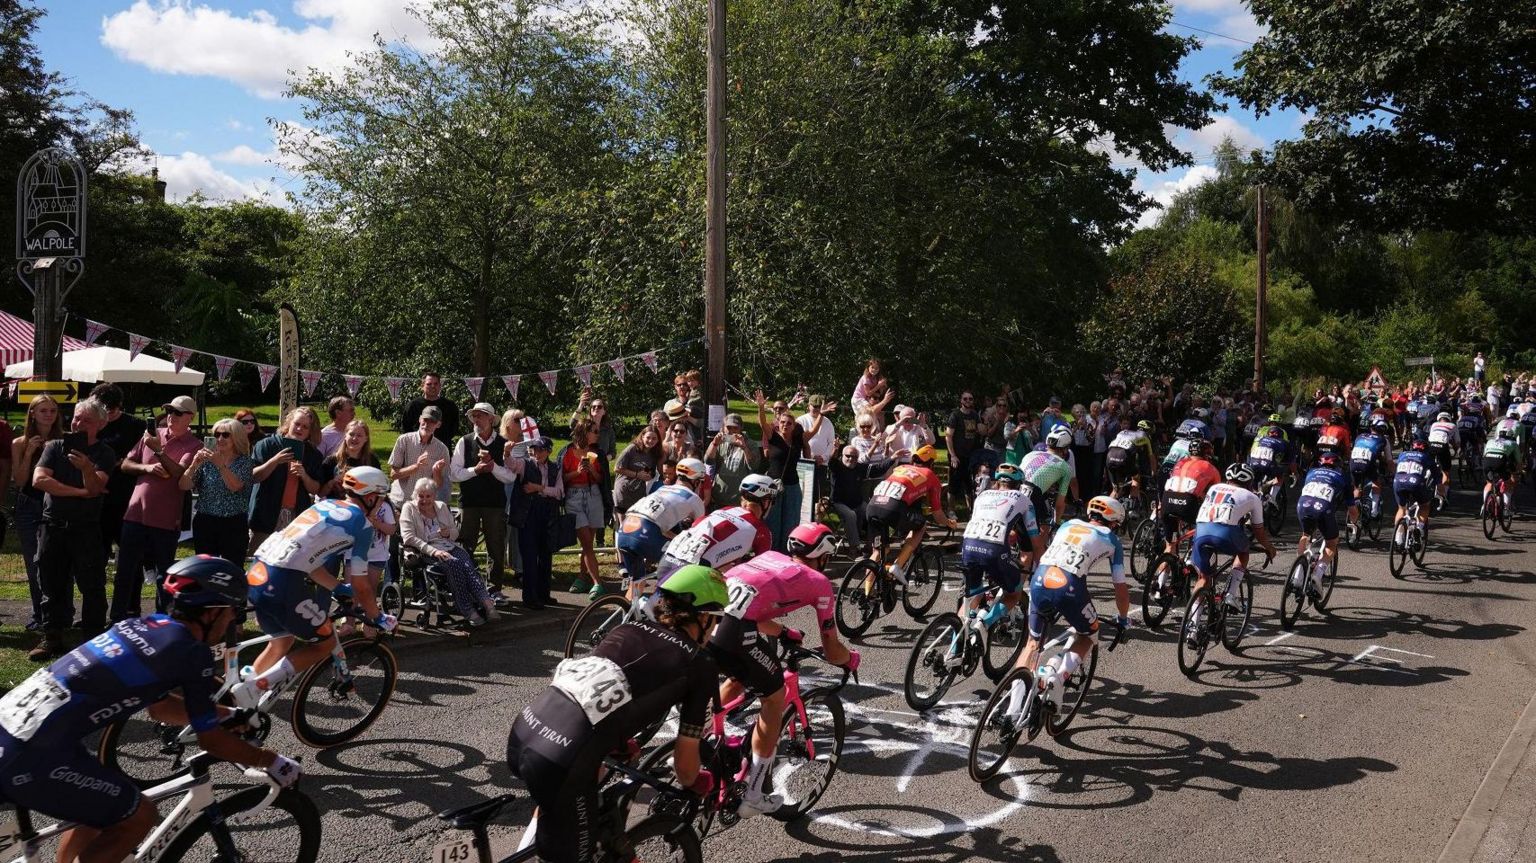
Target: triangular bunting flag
(93,331)
(353,382)
(650,360)
(474,385)
(180,355)
(267,373)
(223,365)
(549,380)
(136,345)
(310,379)
(584,374)
(511,382)
(617,367)
(394,385)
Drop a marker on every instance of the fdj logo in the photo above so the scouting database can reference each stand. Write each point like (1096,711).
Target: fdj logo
(107,645)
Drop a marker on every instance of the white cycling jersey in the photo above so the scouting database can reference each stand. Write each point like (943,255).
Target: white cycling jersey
(670,508)
(328,529)
(1229,504)
(995,510)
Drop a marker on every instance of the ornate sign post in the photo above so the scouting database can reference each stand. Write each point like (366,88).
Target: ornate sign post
(50,248)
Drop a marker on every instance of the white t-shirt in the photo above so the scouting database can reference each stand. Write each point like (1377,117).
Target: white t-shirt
(822,442)
(1230,504)
(378,552)
(1479,364)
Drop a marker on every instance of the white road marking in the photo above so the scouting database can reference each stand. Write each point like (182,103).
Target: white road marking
(1279,638)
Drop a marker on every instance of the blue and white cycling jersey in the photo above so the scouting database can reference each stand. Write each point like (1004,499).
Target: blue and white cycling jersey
(1324,489)
(1193,428)
(321,535)
(1367,450)
(1413,470)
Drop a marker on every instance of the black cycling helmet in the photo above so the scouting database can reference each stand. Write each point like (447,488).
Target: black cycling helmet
(1239,473)
(205,581)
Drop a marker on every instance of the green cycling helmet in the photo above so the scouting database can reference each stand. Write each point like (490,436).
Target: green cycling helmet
(1274,418)
(698,586)
(1009,473)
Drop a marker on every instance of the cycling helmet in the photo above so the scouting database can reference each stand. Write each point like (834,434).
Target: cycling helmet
(1202,448)
(205,581)
(811,540)
(1418,442)
(1442,417)
(692,469)
(1109,510)
(1200,414)
(1059,438)
(1275,418)
(363,481)
(696,587)
(1513,412)
(758,487)
(1328,459)
(1506,434)
(1239,473)
(1009,473)
(925,454)
(1379,423)
(1143,425)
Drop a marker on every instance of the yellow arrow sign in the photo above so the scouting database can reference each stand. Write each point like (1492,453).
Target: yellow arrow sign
(63,392)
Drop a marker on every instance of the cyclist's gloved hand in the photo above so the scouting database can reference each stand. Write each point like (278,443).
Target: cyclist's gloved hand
(853,661)
(386,621)
(703,783)
(238,718)
(791,635)
(284,771)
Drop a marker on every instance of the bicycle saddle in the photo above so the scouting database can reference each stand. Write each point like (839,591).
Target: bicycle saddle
(475,815)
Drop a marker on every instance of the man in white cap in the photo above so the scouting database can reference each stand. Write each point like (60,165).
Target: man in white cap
(479,467)
(909,431)
(152,524)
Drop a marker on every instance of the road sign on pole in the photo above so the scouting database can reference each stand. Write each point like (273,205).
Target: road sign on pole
(63,392)
(1419,361)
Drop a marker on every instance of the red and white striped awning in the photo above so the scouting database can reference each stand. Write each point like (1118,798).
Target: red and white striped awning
(16,340)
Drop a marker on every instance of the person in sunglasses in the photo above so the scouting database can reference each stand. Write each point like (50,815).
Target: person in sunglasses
(152,524)
(221,476)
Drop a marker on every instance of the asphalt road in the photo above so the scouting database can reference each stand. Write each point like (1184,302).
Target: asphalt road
(1360,736)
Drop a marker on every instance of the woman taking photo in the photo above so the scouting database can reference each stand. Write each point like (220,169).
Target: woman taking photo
(43,425)
(583,487)
(221,477)
(427,528)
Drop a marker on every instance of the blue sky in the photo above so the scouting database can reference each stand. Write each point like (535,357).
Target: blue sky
(205,77)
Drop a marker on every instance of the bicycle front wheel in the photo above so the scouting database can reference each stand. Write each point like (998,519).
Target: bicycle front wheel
(925,581)
(935,661)
(664,837)
(1144,550)
(1294,597)
(1161,590)
(1195,632)
(288,830)
(996,733)
(1005,641)
(858,603)
(146,751)
(330,708)
(1490,515)
(1397,555)
(1326,592)
(808,752)
(594,623)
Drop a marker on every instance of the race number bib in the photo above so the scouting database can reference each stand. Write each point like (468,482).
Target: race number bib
(597,684)
(1263,453)
(651,507)
(23,709)
(741,598)
(1066,556)
(1410,470)
(1181,484)
(1218,512)
(1328,440)
(1123,440)
(1362,453)
(690,547)
(889,490)
(986,530)
(1318,491)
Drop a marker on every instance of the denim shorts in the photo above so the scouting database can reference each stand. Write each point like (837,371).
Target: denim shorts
(586,503)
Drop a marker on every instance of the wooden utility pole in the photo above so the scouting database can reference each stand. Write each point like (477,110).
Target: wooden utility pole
(715,262)
(1263,289)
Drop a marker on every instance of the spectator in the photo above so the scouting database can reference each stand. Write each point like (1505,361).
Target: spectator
(636,467)
(252,425)
(1020,435)
(287,468)
(677,444)
(731,458)
(341,411)
(544,487)
(418,456)
(479,467)
(607,447)
(222,479)
(783,444)
(910,431)
(447,416)
(72,475)
(1105,427)
(355,449)
(865,440)
(1052,417)
(684,392)
(962,438)
(678,426)
(993,444)
(583,490)
(1082,448)
(121,433)
(698,411)
(820,435)
(152,524)
(1479,367)
(43,425)
(515,454)
(848,496)
(872,394)
(427,528)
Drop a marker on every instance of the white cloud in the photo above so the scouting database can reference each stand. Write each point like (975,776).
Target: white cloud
(244,155)
(236,126)
(191,173)
(1165,191)
(253,50)
(1241,25)
(1201,142)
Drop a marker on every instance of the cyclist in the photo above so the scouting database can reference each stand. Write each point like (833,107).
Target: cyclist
(1304,435)
(1334,437)
(1183,491)
(1049,472)
(1369,459)
(897,504)
(1059,586)
(597,703)
(1411,482)
(762,589)
(1002,522)
(1501,460)
(1196,425)
(1219,527)
(1473,423)
(1271,455)
(1444,440)
(657,518)
(727,535)
(1325,487)
(137,662)
(1511,423)
(291,581)
(1129,458)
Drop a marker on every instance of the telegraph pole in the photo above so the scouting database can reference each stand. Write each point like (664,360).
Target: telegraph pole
(1263,290)
(715,262)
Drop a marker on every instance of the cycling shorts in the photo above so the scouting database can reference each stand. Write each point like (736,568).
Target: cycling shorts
(1441,456)
(1212,539)
(1055,593)
(1266,469)
(1406,494)
(1122,473)
(900,518)
(640,543)
(286,602)
(983,561)
(1042,512)
(1314,518)
(1179,510)
(1363,471)
(747,655)
(567,797)
(68,784)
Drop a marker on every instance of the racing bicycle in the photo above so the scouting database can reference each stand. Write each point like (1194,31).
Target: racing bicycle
(951,647)
(1298,583)
(1215,615)
(869,591)
(1408,540)
(1496,513)
(607,613)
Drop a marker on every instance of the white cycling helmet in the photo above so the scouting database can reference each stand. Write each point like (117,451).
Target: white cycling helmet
(758,487)
(363,481)
(692,469)
(1442,417)
(1059,438)
(1107,508)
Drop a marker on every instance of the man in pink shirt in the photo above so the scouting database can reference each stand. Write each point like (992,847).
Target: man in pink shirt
(152,524)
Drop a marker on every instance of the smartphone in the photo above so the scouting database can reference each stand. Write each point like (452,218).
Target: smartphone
(294,446)
(210,442)
(74,441)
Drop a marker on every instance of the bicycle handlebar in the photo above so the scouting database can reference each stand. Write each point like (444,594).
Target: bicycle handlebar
(1119,636)
(793,653)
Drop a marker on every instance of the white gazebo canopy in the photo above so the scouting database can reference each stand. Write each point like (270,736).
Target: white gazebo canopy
(112,365)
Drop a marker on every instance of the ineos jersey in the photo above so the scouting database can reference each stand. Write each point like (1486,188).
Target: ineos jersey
(671,508)
(322,533)
(119,672)
(724,536)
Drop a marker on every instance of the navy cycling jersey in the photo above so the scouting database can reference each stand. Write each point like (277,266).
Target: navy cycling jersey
(1367,449)
(1193,427)
(1271,450)
(130,666)
(1413,469)
(1325,488)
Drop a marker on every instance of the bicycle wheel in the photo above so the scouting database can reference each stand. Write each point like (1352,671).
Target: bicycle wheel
(996,733)
(1294,597)
(1419,546)
(594,623)
(287,830)
(1506,516)
(1005,641)
(329,710)
(663,837)
(392,600)
(1144,550)
(1156,597)
(1326,593)
(1397,555)
(1235,623)
(856,607)
(925,581)
(807,755)
(1272,517)
(1072,694)
(935,660)
(1195,632)
(148,752)
(1373,521)
(1490,514)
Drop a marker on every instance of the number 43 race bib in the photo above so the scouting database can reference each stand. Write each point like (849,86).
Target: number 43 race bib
(598,685)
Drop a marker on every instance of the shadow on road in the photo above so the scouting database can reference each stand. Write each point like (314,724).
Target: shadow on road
(879,840)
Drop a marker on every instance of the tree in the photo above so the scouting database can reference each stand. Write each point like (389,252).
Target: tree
(34,111)
(1419,112)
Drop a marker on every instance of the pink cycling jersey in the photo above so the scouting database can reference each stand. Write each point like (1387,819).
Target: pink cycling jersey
(773,584)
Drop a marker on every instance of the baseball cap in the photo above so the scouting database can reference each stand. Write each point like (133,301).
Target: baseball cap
(732,421)
(483,407)
(432,413)
(541,443)
(906,412)
(181,404)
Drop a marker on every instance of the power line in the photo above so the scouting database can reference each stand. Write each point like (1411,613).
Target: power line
(1210,32)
